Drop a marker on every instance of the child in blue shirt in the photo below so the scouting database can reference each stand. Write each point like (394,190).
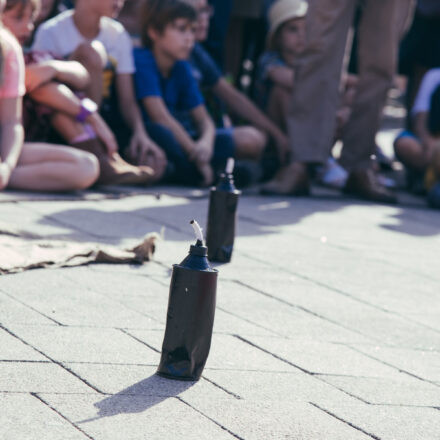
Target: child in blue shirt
(168,92)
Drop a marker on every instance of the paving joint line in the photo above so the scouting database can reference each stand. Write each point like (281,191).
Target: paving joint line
(139,340)
(236,396)
(296,306)
(344,421)
(89,289)
(32,308)
(339,291)
(61,415)
(210,418)
(345,248)
(60,364)
(72,227)
(24,361)
(249,321)
(395,367)
(310,373)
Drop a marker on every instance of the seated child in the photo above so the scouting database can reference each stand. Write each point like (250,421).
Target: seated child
(46,83)
(210,79)
(33,166)
(89,35)
(419,150)
(276,75)
(129,18)
(167,89)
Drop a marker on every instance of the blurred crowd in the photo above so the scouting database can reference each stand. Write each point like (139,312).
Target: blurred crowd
(141,92)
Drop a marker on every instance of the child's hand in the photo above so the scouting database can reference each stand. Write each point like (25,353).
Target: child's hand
(143,151)
(202,152)
(5,174)
(38,74)
(103,132)
(207,173)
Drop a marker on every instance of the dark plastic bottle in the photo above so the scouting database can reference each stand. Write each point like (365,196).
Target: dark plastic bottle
(190,316)
(222,217)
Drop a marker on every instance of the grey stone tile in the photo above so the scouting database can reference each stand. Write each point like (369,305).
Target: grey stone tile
(31,377)
(227,352)
(137,380)
(14,349)
(12,311)
(136,417)
(282,313)
(85,344)
(324,358)
(70,303)
(371,322)
(274,386)
(24,417)
(422,363)
(391,422)
(276,420)
(389,391)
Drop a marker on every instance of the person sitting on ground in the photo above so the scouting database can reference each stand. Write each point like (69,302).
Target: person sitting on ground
(90,35)
(419,150)
(166,89)
(50,101)
(211,79)
(32,166)
(129,18)
(275,78)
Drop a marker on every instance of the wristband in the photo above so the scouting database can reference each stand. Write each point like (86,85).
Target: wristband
(87,108)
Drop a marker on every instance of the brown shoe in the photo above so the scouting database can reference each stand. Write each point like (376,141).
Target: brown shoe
(364,184)
(113,169)
(292,179)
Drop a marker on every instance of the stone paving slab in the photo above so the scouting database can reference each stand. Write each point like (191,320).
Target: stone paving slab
(87,344)
(390,422)
(136,417)
(24,417)
(327,322)
(39,377)
(389,391)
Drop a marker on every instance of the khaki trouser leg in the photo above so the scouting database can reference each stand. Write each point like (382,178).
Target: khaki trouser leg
(312,115)
(380,30)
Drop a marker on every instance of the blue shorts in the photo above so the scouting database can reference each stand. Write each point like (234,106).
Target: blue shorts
(180,169)
(406,133)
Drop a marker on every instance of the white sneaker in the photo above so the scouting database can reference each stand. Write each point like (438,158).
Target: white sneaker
(332,174)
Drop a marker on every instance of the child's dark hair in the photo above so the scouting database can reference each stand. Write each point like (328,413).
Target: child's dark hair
(157,14)
(35,5)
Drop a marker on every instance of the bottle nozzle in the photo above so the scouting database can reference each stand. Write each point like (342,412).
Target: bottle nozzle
(198,232)
(230,165)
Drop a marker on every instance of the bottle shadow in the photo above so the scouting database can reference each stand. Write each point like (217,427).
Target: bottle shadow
(139,397)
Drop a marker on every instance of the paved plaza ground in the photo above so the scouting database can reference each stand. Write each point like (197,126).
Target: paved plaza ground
(327,323)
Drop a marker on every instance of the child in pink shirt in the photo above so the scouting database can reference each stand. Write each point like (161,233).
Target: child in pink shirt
(32,166)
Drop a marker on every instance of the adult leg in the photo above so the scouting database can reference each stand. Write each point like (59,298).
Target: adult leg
(311,120)
(278,106)
(380,31)
(47,167)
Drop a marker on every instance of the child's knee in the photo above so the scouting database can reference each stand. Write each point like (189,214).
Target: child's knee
(92,55)
(250,141)
(88,170)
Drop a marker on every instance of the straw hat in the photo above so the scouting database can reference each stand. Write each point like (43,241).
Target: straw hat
(282,11)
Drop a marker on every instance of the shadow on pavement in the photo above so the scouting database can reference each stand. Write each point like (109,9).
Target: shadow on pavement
(139,397)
